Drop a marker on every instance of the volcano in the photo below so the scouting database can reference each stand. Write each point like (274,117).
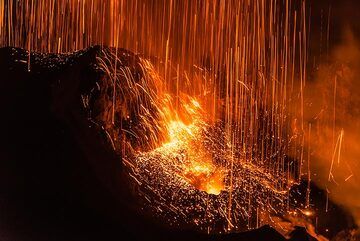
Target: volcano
(62,175)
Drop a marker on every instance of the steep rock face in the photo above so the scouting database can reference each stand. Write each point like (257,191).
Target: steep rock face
(61,176)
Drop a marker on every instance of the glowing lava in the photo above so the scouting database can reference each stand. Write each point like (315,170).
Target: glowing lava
(196,167)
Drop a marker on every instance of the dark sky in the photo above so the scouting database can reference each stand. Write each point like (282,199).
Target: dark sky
(345,14)
(342,11)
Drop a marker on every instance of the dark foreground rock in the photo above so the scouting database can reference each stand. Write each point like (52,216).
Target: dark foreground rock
(60,178)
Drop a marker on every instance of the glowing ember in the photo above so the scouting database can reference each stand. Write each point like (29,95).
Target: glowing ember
(308,212)
(197,167)
(199,170)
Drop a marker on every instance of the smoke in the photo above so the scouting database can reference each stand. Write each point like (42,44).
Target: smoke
(333,116)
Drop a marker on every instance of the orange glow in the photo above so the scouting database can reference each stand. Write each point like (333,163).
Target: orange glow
(205,177)
(198,168)
(308,212)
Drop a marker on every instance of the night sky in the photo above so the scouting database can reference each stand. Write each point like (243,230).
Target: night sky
(345,14)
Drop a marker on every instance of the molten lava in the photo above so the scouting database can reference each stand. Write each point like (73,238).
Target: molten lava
(199,169)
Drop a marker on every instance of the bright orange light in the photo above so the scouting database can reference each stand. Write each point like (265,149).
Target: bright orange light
(205,177)
(198,168)
(308,212)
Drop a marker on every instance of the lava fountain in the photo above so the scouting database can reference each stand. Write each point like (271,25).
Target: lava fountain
(220,106)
